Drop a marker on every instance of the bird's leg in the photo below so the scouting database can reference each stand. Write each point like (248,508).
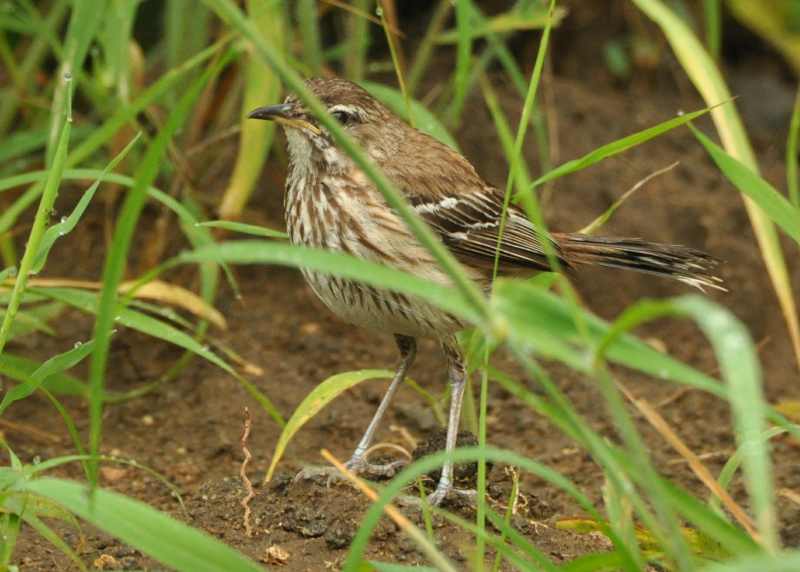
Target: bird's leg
(458,379)
(358,462)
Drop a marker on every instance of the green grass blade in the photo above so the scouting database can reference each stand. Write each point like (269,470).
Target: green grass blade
(734,462)
(517,173)
(792,180)
(315,401)
(357,41)
(784,562)
(83,25)
(115,36)
(252,229)
(712,12)
(534,16)
(307,18)
(771,202)
(463,59)
(543,321)
(88,302)
(540,564)
(36,52)
(46,203)
(184,37)
(21,143)
(741,370)
(425,50)
(606,215)
(170,542)
(21,369)
(25,323)
(50,536)
(334,263)
(519,541)
(389,567)
(67,224)
(731,538)
(594,562)
(618,146)
(736,354)
(398,62)
(54,365)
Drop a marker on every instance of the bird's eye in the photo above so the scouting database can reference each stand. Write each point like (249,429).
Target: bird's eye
(342,116)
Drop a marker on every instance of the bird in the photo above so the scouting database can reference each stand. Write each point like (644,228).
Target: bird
(329,203)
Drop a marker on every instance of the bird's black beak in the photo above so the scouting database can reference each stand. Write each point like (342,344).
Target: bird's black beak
(271,112)
(285,114)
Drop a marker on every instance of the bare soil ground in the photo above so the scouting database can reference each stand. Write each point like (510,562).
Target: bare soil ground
(189,430)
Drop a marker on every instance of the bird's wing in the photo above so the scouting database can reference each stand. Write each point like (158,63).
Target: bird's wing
(469,223)
(453,199)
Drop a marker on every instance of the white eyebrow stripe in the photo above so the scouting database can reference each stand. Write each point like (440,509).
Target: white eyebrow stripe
(349,109)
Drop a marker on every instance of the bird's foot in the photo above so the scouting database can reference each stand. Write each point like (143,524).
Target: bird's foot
(440,495)
(357,464)
(360,466)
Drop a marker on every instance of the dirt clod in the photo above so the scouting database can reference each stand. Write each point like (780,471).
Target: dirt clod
(308,521)
(464,474)
(339,535)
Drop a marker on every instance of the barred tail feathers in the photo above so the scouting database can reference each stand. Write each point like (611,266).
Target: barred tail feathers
(686,265)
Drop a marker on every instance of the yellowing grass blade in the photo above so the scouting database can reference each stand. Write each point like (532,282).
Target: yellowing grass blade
(323,394)
(709,82)
(156,290)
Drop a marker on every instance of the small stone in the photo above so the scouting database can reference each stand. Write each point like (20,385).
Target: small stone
(276,555)
(657,345)
(112,474)
(309,328)
(106,562)
(148,420)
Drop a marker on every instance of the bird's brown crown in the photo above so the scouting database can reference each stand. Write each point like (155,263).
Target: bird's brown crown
(349,103)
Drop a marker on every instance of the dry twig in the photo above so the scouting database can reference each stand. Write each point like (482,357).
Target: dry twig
(698,468)
(248,528)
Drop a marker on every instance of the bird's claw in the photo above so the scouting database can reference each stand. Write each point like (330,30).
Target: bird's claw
(437,497)
(356,465)
(314,473)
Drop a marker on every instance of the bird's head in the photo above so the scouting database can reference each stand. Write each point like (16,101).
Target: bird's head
(363,117)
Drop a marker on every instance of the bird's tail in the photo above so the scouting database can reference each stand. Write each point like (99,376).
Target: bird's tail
(687,265)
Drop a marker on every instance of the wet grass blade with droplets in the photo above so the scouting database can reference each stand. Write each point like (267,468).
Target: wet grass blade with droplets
(49,193)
